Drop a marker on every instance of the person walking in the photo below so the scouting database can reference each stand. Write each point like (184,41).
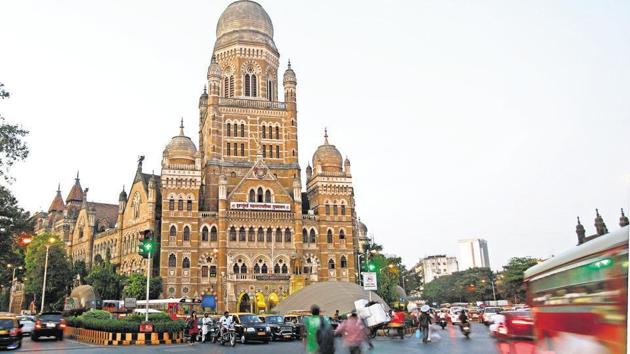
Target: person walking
(423,323)
(206,322)
(353,333)
(315,326)
(193,331)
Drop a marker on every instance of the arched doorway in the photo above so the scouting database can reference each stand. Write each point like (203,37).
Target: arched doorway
(244,303)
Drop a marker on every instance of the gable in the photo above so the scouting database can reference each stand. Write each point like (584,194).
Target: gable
(259,177)
(137,194)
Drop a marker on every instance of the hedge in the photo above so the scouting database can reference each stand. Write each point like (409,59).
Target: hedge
(130,324)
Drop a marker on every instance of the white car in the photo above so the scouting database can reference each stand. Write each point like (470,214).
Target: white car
(453,314)
(496,322)
(488,313)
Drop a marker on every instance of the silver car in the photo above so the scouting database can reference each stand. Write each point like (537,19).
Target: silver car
(28,324)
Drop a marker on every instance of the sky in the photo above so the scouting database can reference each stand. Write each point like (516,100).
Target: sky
(501,120)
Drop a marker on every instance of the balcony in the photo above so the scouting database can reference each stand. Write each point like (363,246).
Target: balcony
(259,215)
(251,103)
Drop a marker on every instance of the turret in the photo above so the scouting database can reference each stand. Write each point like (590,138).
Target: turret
(346,167)
(309,171)
(122,201)
(289,82)
(600,226)
(580,231)
(623,220)
(214,78)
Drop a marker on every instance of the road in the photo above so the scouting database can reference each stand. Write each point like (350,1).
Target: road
(450,341)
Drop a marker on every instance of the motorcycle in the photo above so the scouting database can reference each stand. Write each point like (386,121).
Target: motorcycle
(228,336)
(442,322)
(465,327)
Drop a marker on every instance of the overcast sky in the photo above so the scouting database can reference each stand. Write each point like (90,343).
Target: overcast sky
(502,120)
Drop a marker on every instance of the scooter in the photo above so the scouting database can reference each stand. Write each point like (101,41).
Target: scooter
(465,329)
(228,336)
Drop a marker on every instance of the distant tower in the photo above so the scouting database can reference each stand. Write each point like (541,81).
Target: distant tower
(580,231)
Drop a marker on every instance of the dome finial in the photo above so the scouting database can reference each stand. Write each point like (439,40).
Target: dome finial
(181,127)
(59,191)
(325,135)
(289,66)
(77,179)
(205,89)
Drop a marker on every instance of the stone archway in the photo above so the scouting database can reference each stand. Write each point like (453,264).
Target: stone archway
(244,303)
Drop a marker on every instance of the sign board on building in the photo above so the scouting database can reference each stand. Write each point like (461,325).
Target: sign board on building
(260,206)
(130,302)
(369,281)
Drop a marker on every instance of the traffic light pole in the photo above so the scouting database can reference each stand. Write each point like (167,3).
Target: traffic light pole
(146,308)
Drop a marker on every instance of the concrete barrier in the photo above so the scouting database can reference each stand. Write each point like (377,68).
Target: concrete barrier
(111,338)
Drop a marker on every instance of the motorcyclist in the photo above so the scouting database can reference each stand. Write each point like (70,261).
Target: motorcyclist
(463,317)
(226,322)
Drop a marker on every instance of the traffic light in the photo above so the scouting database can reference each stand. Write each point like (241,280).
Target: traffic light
(147,247)
(371,267)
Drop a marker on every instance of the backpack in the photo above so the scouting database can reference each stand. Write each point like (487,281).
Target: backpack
(325,337)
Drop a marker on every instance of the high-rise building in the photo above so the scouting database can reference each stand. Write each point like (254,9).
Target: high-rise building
(432,267)
(473,253)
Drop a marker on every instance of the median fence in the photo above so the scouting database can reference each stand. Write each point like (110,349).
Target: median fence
(109,338)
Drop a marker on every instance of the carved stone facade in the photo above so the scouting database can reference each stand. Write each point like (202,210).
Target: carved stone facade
(231,216)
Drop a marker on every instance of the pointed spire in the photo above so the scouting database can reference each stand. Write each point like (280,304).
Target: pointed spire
(326,136)
(181,127)
(579,230)
(59,192)
(623,220)
(77,179)
(600,226)
(205,89)
(289,65)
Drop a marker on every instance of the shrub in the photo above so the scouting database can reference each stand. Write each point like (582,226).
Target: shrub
(96,314)
(73,312)
(139,317)
(169,326)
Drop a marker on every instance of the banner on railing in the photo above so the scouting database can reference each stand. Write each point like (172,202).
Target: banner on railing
(260,206)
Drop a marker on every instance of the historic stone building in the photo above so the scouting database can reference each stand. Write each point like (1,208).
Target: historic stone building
(231,215)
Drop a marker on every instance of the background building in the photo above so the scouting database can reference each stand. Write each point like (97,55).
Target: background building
(432,267)
(473,253)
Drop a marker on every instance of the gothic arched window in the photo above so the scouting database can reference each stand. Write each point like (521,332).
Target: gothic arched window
(247,85)
(204,234)
(269,91)
(304,236)
(189,205)
(287,235)
(285,269)
(264,269)
(180,204)
(242,130)
(204,272)
(243,269)
(331,264)
(277,132)
(260,195)
(276,268)
(172,231)
(335,210)
(186,234)
(329,237)
(254,86)
(172,261)
(342,235)
(235,130)
(242,149)
(264,150)
(277,151)
(343,209)
(228,129)
(313,238)
(236,269)
(186,263)
(171,203)
(231,85)
(343,262)
(226,87)
(261,235)
(252,196)
(232,233)
(327,209)
(251,235)
(241,234)
(268,196)
(270,150)
(213,234)
(278,235)
(256,268)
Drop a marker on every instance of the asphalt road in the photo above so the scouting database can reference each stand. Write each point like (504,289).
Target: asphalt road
(450,341)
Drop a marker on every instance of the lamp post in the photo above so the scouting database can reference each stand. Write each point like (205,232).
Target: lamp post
(494,295)
(12,284)
(48,244)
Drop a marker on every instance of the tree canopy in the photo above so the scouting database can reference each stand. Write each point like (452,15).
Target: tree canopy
(467,286)
(136,286)
(59,274)
(511,278)
(12,145)
(106,282)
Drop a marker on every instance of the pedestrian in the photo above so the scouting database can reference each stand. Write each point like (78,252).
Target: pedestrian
(353,333)
(423,323)
(193,331)
(206,322)
(315,326)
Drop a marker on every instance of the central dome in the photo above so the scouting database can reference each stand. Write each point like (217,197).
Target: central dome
(244,15)
(327,157)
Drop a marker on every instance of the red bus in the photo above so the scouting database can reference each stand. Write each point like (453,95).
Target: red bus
(579,298)
(177,308)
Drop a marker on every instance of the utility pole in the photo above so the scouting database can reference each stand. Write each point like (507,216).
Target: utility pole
(146,306)
(50,241)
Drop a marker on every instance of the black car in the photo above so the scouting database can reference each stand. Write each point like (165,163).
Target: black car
(49,324)
(10,332)
(249,327)
(298,322)
(280,329)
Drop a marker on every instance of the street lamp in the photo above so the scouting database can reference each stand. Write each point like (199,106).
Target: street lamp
(12,284)
(494,295)
(51,240)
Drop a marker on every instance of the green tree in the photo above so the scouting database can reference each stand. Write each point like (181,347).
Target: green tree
(467,286)
(105,281)
(511,278)
(59,274)
(12,146)
(13,221)
(136,286)
(79,268)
